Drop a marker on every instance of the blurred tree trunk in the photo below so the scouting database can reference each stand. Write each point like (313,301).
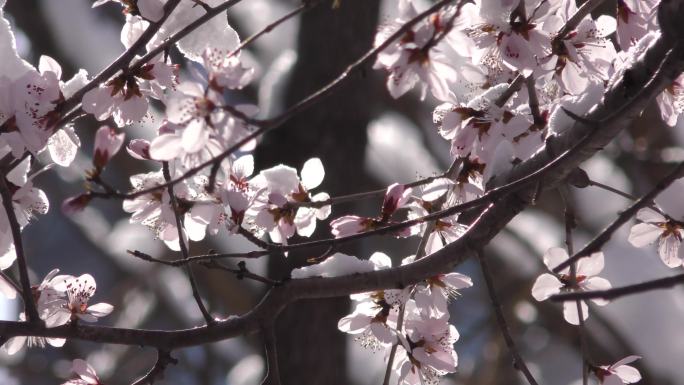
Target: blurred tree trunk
(311,349)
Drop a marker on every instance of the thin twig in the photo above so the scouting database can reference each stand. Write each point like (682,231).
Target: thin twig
(273,374)
(570,224)
(26,292)
(241,272)
(184,248)
(163,360)
(576,18)
(604,236)
(616,292)
(501,320)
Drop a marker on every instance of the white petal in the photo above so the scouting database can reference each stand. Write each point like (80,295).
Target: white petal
(381,260)
(100,309)
(312,173)
(668,249)
(545,286)
(62,148)
(554,256)
(597,283)
(650,216)
(628,374)
(591,265)
(570,312)
(14,345)
(166,147)
(7,289)
(643,234)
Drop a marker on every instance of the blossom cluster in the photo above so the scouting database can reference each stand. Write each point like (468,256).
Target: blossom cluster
(503,73)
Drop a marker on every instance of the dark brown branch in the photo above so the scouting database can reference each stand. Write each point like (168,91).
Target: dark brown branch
(603,237)
(610,294)
(163,360)
(184,248)
(503,325)
(26,292)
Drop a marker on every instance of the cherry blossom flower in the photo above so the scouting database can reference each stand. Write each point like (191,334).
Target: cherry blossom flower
(654,227)
(86,374)
(428,351)
(502,37)
(225,72)
(48,297)
(420,56)
(586,279)
(79,291)
(618,373)
(280,213)
(633,19)
(583,55)
(375,316)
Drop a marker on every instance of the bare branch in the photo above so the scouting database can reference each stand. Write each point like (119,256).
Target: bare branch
(501,320)
(273,374)
(26,292)
(610,294)
(184,248)
(163,360)
(604,236)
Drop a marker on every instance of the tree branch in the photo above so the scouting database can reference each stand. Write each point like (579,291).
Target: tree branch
(610,294)
(163,360)
(26,292)
(501,320)
(184,248)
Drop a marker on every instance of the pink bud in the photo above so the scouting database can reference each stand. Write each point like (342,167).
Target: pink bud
(395,197)
(72,205)
(107,143)
(139,149)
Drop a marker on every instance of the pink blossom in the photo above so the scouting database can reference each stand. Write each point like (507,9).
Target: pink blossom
(107,143)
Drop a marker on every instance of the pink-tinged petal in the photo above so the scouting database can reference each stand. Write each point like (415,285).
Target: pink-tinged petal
(243,166)
(605,25)
(668,249)
(195,136)
(100,309)
(152,10)
(164,147)
(312,173)
(570,312)
(195,228)
(323,212)
(650,216)
(48,64)
(347,225)
(591,265)
(554,257)
(354,323)
(628,374)
(131,110)
(545,286)
(597,283)
(63,146)
(457,280)
(380,260)
(625,361)
(14,345)
(7,289)
(643,234)
(99,102)
(56,342)
(382,332)
(85,371)
(60,317)
(612,379)
(281,179)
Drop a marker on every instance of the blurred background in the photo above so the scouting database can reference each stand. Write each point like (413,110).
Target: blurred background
(366,141)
